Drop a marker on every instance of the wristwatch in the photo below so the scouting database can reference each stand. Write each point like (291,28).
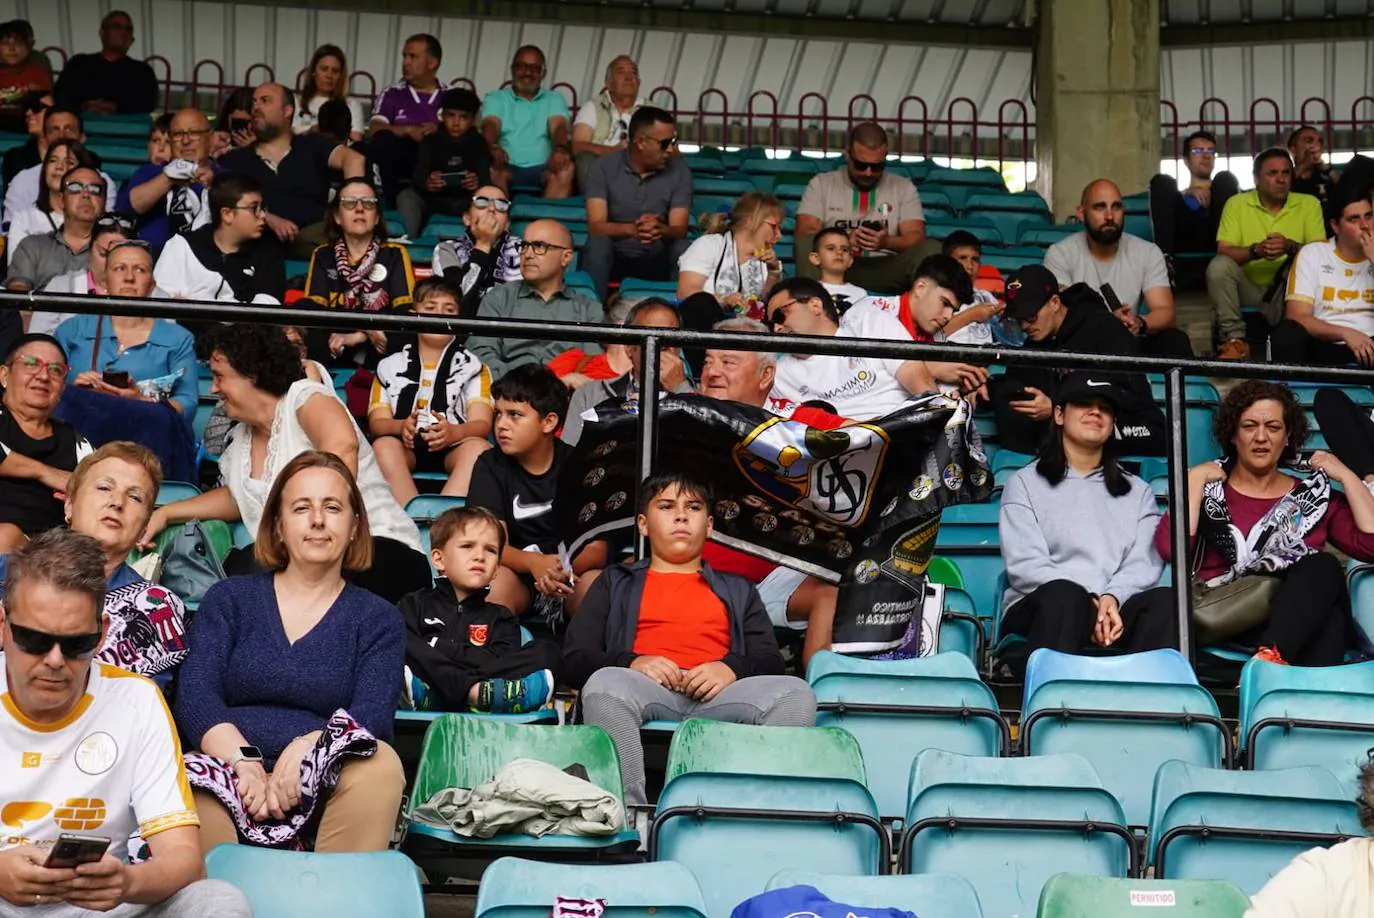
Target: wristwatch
(245,754)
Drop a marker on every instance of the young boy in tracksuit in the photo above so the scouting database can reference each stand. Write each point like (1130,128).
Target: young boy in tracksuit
(464,653)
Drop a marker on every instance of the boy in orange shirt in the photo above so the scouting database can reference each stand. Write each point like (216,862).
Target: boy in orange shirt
(669,638)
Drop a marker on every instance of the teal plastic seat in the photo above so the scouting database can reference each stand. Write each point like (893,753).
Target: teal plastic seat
(633,286)
(1006,463)
(984,574)
(288,884)
(897,709)
(1046,236)
(933,895)
(708,746)
(513,887)
(733,830)
(721,186)
(1243,826)
(1202,445)
(428,507)
(1008,824)
(1070,895)
(172,491)
(961,631)
(969,526)
(1362,604)
(1126,715)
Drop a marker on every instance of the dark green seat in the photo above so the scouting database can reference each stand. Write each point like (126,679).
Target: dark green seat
(1072,895)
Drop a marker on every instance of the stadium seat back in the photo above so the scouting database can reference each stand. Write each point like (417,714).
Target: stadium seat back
(428,507)
(1340,750)
(969,526)
(634,286)
(731,854)
(940,895)
(1046,236)
(722,186)
(172,491)
(287,884)
(1071,895)
(1258,678)
(1165,665)
(984,576)
(1202,444)
(701,745)
(514,887)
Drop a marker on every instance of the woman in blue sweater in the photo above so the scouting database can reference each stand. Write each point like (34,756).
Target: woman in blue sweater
(1077,537)
(290,687)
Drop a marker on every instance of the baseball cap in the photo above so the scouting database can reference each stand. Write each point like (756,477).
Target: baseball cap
(1078,388)
(1029,288)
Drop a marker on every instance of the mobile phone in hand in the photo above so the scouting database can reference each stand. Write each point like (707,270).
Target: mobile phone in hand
(71,850)
(117,378)
(1021,395)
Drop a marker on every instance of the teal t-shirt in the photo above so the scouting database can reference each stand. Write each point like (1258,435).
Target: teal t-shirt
(525,123)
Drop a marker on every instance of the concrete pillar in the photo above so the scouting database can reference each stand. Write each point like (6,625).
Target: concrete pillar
(1097,97)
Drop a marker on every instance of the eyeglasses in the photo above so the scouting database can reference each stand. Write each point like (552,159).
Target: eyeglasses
(666,143)
(859,165)
(108,220)
(186,135)
(353,202)
(482,202)
(1202,151)
(54,368)
(38,643)
(94,189)
(779,315)
(540,247)
(260,209)
(128,244)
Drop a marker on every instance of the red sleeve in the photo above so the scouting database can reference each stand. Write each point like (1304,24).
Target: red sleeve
(818,418)
(1163,544)
(1344,534)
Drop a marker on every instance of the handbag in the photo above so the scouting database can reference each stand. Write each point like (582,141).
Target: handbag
(1223,612)
(191,561)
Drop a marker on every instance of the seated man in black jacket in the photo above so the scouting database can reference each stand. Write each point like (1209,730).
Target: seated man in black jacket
(1076,319)
(462,652)
(669,638)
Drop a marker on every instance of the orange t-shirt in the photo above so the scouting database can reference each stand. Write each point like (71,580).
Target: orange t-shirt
(681,619)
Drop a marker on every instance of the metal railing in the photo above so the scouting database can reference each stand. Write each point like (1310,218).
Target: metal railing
(652,340)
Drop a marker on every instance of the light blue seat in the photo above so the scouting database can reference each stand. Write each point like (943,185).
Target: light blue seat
(984,574)
(634,286)
(1046,236)
(1301,715)
(1126,715)
(720,827)
(513,887)
(897,709)
(428,507)
(1025,202)
(1362,603)
(721,186)
(961,631)
(968,525)
(1009,263)
(1306,392)
(1202,445)
(934,895)
(1007,462)
(287,884)
(1008,824)
(1243,826)
(243,536)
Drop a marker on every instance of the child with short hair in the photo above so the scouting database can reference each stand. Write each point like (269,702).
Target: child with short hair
(451,164)
(431,407)
(973,323)
(19,74)
(670,637)
(464,653)
(832,255)
(160,140)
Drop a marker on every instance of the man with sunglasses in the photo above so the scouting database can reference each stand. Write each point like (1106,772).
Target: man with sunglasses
(170,198)
(39,259)
(58,124)
(879,210)
(89,749)
(1185,223)
(639,205)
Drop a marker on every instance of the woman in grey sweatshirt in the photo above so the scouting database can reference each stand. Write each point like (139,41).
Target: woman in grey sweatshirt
(1077,537)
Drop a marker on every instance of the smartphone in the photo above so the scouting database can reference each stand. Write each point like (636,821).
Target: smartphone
(239,124)
(453,179)
(117,378)
(1113,301)
(873,224)
(1020,395)
(71,850)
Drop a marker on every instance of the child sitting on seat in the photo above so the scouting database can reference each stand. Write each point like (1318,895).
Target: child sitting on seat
(832,255)
(431,406)
(464,653)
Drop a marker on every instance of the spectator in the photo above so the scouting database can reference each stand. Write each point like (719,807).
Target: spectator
(638,205)
(1186,224)
(327,80)
(832,256)
(1259,230)
(258,377)
(36,56)
(624,389)
(45,214)
(294,187)
(287,727)
(856,387)
(58,124)
(41,258)
(1325,882)
(111,82)
(37,451)
(669,636)
(464,653)
(602,126)
(451,165)
(1330,298)
(1124,269)
(941,284)
(431,406)
(32,151)
(171,200)
(1076,532)
(19,75)
(234,124)
(735,260)
(357,271)
(879,210)
(52,626)
(526,127)
(408,111)
(487,255)
(160,140)
(979,321)
(1310,174)
(1284,524)
(1349,431)
(541,295)
(1073,319)
(226,259)
(109,231)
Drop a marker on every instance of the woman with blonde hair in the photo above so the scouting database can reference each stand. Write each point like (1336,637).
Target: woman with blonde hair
(326,78)
(735,261)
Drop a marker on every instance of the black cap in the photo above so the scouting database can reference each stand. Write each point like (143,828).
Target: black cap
(1082,387)
(1028,289)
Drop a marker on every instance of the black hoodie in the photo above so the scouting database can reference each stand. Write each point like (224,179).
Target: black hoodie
(450,643)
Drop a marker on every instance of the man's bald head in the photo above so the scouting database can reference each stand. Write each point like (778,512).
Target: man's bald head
(190,132)
(1097,188)
(548,231)
(1103,212)
(547,251)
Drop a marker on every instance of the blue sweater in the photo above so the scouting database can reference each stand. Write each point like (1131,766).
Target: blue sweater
(241,670)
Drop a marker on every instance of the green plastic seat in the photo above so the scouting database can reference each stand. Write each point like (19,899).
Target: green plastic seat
(943,570)
(932,895)
(1072,895)
(710,746)
(513,887)
(287,884)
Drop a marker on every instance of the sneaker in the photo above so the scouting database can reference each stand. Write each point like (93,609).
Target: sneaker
(1235,349)
(516,696)
(417,693)
(1270,655)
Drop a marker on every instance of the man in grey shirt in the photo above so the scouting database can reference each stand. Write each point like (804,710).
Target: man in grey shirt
(1125,269)
(540,296)
(41,258)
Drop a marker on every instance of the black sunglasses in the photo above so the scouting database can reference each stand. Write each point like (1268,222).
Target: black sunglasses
(38,643)
(861,166)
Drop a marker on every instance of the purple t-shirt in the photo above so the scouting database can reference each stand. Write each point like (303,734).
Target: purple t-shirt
(403,106)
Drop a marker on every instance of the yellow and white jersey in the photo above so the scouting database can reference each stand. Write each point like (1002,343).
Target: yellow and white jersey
(1340,292)
(111,767)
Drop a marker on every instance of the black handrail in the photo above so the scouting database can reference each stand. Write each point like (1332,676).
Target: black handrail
(1312,839)
(1291,723)
(1086,826)
(1186,718)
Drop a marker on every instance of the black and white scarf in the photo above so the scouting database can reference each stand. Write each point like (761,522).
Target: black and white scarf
(399,374)
(1276,541)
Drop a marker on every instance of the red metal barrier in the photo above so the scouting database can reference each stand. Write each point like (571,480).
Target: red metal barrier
(901,125)
(453,84)
(951,122)
(1323,125)
(671,108)
(1277,121)
(60,50)
(371,94)
(572,91)
(825,118)
(1355,122)
(772,118)
(196,85)
(1002,127)
(1224,133)
(1172,123)
(724,116)
(153,60)
(249,80)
